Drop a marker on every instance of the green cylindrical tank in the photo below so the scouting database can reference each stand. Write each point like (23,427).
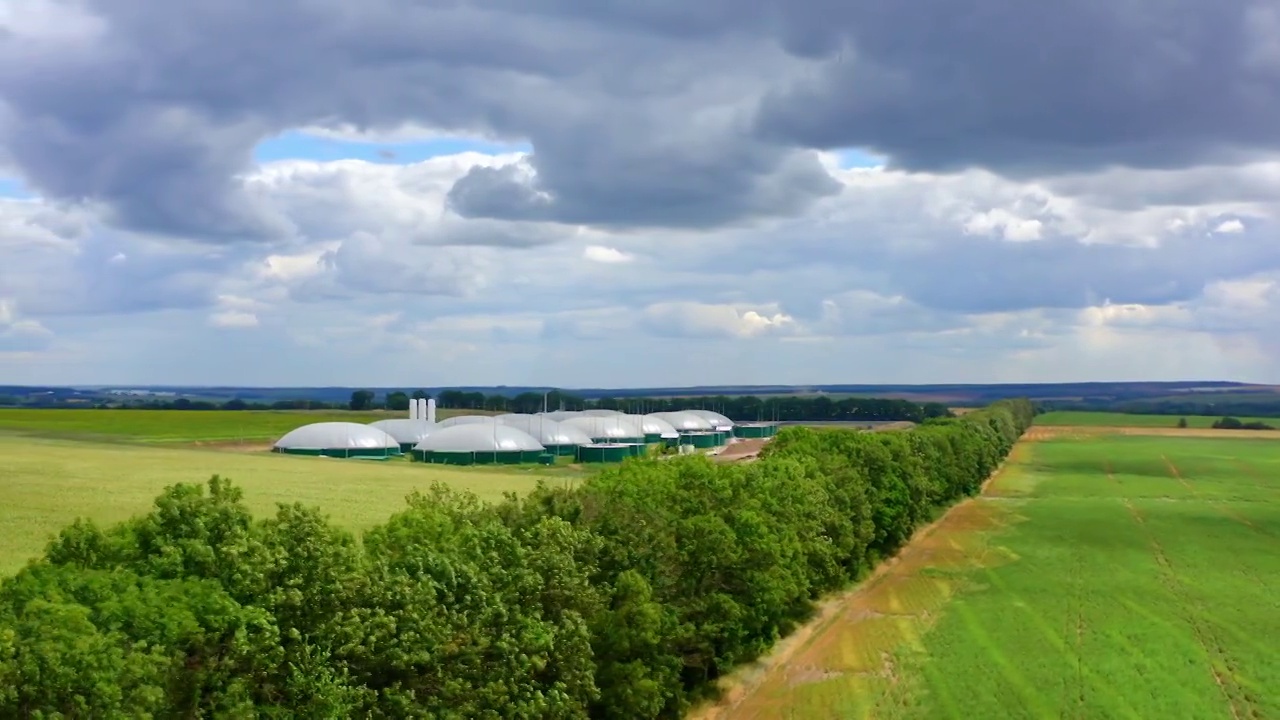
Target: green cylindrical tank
(755,431)
(703,440)
(341,452)
(604,453)
(475,458)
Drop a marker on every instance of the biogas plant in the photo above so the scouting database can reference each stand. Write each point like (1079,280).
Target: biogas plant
(588,436)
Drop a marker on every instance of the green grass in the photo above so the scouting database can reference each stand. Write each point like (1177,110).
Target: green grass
(1127,577)
(177,426)
(1108,419)
(1145,587)
(46,484)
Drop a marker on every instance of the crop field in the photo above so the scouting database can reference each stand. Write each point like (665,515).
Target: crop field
(179,426)
(1103,576)
(45,484)
(1108,419)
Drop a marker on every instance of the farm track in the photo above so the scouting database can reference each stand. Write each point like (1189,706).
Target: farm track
(1046,432)
(798,658)
(1221,665)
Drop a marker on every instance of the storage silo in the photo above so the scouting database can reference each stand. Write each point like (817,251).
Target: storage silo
(754,430)
(658,430)
(609,429)
(722,425)
(558,438)
(605,452)
(694,429)
(407,432)
(338,439)
(477,444)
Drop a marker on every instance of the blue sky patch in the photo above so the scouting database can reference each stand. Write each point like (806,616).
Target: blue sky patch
(298,145)
(856,158)
(14,188)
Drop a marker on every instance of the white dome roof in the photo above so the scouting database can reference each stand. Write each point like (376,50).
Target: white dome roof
(406,430)
(562,415)
(608,426)
(601,412)
(476,437)
(336,436)
(466,420)
(548,431)
(718,421)
(510,416)
(685,421)
(654,425)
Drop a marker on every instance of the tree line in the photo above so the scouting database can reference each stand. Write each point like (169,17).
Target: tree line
(624,597)
(1220,406)
(738,408)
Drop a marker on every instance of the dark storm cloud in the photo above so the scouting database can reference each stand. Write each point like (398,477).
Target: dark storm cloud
(156,108)
(641,114)
(1035,87)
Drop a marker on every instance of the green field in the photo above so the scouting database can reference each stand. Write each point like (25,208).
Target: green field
(1107,419)
(178,426)
(1100,577)
(45,484)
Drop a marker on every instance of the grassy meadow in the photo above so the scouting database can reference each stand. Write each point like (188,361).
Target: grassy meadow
(1071,418)
(180,426)
(1098,577)
(47,483)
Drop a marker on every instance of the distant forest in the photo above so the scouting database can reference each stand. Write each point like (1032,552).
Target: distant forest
(740,408)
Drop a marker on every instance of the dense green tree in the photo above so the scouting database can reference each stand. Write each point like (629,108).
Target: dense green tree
(361,400)
(625,596)
(398,401)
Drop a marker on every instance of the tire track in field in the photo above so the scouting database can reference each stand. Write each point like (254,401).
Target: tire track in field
(1217,504)
(1241,705)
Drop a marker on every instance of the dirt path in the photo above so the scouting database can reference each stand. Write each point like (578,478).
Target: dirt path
(742,450)
(1042,432)
(794,659)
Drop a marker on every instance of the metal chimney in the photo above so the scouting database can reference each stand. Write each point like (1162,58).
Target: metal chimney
(431,409)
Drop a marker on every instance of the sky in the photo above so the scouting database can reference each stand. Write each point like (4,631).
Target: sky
(583,193)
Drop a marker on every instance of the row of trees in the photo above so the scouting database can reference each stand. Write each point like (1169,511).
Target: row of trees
(741,408)
(1234,423)
(625,597)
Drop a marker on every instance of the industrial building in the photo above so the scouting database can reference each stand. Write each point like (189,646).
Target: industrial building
(340,440)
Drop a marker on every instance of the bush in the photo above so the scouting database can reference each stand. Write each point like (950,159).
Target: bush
(626,597)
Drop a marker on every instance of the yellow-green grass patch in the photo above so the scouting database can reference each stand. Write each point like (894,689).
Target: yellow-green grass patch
(181,426)
(46,484)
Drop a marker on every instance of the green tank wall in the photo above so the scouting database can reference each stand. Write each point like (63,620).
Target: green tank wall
(476,458)
(605,454)
(341,452)
(704,440)
(618,441)
(563,450)
(753,431)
